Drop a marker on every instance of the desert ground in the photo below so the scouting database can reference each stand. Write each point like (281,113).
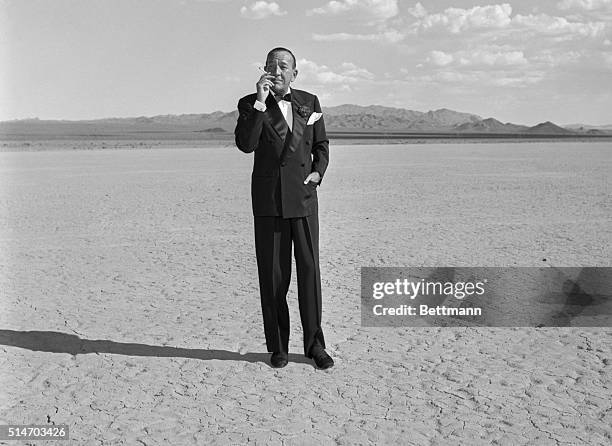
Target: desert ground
(131,313)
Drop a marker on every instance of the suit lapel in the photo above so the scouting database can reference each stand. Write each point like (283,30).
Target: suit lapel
(276,117)
(298,121)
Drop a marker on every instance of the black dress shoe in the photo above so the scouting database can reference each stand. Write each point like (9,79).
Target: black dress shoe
(279,359)
(321,358)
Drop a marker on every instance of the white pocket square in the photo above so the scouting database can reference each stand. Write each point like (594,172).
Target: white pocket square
(314,117)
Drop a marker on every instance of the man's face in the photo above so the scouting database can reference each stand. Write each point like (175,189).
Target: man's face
(280,64)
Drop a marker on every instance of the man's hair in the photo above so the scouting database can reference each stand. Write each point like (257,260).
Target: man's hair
(278,50)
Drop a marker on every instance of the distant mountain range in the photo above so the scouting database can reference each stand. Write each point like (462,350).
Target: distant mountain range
(584,127)
(342,118)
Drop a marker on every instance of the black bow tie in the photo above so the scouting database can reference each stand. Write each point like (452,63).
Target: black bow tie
(287,98)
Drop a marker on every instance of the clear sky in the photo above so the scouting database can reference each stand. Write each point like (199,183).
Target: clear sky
(520,61)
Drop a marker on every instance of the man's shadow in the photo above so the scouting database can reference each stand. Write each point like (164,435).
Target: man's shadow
(57,342)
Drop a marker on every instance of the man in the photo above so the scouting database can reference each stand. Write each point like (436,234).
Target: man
(285,129)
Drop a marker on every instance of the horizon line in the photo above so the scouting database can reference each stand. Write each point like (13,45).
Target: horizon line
(38,118)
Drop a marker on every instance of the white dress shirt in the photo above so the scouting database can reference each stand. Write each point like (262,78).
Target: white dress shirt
(285,108)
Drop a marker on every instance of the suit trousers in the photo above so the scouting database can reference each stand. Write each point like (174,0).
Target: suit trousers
(273,239)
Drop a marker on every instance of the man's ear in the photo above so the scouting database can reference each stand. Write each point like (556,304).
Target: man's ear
(295,73)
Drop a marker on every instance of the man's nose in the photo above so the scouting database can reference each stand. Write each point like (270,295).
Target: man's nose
(277,70)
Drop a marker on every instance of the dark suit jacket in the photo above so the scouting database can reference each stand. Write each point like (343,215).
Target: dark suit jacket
(283,159)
